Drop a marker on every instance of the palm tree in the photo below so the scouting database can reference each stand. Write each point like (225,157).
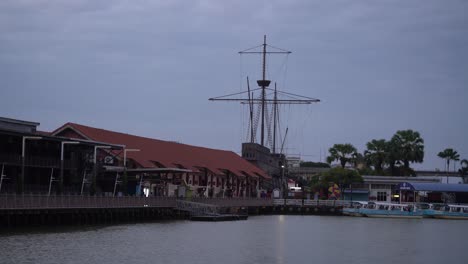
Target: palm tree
(457,158)
(464,163)
(464,169)
(449,154)
(410,147)
(342,152)
(376,153)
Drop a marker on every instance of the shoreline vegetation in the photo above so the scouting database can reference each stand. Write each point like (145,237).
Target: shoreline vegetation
(382,157)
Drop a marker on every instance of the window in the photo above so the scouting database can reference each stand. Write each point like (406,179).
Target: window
(381,196)
(381,186)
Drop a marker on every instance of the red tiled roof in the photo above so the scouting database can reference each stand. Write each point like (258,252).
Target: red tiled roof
(169,154)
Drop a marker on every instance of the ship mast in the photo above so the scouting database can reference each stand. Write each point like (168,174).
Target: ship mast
(263,101)
(263,83)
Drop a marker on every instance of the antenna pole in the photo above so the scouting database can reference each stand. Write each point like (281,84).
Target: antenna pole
(263,90)
(284,139)
(251,112)
(263,85)
(275,105)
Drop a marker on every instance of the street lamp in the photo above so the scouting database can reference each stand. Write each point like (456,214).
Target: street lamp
(95,165)
(23,154)
(282,183)
(124,180)
(2,177)
(116,182)
(52,178)
(62,150)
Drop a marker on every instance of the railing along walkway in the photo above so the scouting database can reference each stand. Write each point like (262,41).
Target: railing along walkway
(9,202)
(234,202)
(300,202)
(76,202)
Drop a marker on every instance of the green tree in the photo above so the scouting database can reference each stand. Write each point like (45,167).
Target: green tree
(393,157)
(464,169)
(341,176)
(408,146)
(449,154)
(377,154)
(311,164)
(343,153)
(316,183)
(464,163)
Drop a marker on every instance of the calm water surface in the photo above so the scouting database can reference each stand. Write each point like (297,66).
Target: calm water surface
(261,239)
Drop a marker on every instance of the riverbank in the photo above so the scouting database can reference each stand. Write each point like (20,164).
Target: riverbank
(20,218)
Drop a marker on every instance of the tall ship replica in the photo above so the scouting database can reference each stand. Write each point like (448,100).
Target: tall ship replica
(266,148)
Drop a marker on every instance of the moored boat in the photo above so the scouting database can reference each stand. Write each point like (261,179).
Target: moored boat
(353,209)
(388,210)
(449,211)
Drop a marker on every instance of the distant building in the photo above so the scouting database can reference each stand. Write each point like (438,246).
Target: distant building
(78,159)
(293,162)
(18,125)
(306,173)
(273,164)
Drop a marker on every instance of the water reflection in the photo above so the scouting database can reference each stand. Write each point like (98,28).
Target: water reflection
(261,239)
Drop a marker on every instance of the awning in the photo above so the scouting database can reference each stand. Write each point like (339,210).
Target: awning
(356,191)
(432,187)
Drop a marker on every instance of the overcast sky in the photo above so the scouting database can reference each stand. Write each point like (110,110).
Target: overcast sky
(148,68)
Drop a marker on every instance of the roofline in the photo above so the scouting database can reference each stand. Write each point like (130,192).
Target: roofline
(20,122)
(57,138)
(258,172)
(68,125)
(446,187)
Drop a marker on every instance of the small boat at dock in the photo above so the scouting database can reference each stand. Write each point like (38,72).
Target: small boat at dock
(390,210)
(353,208)
(448,211)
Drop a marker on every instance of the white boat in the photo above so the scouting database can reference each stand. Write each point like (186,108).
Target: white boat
(391,210)
(353,208)
(449,211)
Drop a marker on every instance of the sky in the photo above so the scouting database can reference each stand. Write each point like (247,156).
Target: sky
(148,68)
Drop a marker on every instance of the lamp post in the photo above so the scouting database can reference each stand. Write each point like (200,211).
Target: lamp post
(20,183)
(285,196)
(116,182)
(2,177)
(125,179)
(62,150)
(93,182)
(51,180)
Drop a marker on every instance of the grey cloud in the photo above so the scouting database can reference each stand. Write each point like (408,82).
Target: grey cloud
(148,67)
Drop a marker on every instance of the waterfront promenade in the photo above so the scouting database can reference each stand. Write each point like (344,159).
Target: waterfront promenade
(37,210)
(17,202)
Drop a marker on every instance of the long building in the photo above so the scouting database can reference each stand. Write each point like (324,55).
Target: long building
(114,163)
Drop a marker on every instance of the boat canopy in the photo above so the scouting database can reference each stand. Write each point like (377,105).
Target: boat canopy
(432,187)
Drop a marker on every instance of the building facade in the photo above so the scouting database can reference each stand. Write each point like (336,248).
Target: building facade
(77,159)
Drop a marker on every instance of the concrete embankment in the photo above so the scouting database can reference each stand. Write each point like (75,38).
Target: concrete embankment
(108,216)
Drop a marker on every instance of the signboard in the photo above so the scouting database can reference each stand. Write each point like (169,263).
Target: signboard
(276,193)
(405,186)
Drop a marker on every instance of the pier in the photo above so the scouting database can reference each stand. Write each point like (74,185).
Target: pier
(40,210)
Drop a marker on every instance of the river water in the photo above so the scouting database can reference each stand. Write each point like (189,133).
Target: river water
(260,239)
